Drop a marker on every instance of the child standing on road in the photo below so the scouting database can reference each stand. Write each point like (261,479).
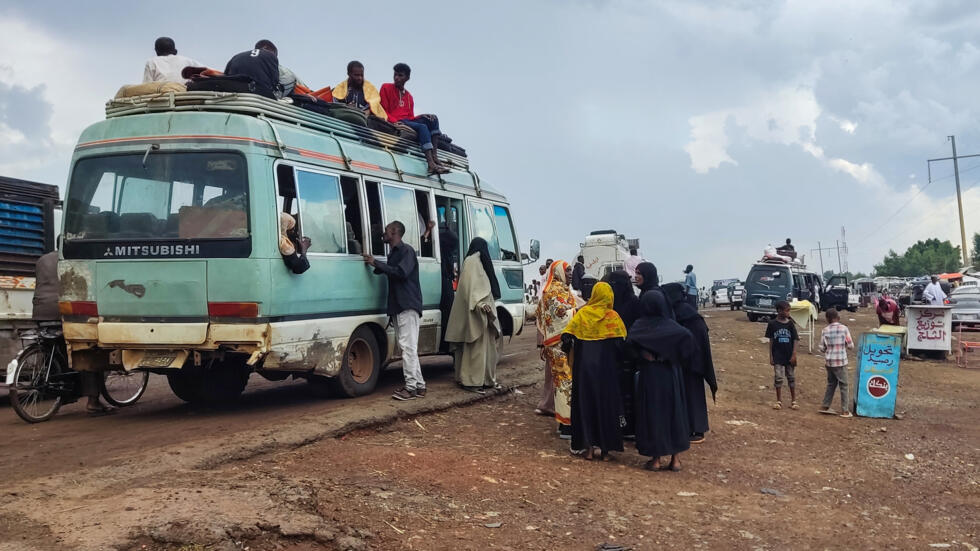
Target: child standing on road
(834,342)
(782,336)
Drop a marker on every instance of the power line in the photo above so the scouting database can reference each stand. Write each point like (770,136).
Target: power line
(907,203)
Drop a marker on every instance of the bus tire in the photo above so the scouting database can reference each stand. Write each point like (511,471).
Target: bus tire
(753,317)
(183,386)
(361,366)
(224,382)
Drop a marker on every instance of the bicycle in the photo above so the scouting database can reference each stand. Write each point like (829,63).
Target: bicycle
(43,382)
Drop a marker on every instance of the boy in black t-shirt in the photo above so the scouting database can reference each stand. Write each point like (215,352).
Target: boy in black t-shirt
(782,352)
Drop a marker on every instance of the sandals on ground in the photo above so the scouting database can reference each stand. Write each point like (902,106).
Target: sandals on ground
(777,405)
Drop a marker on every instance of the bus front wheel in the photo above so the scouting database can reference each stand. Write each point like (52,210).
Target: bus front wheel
(362,365)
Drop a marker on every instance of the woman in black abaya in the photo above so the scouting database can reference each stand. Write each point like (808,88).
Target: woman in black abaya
(628,306)
(702,368)
(663,349)
(594,338)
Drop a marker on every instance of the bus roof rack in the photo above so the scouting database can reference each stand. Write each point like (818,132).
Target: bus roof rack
(255,105)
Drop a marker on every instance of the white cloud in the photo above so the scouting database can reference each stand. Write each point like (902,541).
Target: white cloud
(37,60)
(786,116)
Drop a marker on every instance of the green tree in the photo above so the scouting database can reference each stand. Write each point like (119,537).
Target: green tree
(975,256)
(931,256)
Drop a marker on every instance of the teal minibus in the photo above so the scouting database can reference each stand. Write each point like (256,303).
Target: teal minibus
(170,259)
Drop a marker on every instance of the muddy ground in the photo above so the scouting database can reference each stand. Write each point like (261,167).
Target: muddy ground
(285,470)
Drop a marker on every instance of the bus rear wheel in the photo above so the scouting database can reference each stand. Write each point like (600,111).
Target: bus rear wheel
(222,382)
(361,367)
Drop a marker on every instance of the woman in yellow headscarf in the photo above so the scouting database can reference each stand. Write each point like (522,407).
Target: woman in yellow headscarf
(555,310)
(594,338)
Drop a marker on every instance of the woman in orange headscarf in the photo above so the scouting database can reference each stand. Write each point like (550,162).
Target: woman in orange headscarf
(555,310)
(595,339)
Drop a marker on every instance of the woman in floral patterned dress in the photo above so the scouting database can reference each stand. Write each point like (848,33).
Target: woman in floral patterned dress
(555,310)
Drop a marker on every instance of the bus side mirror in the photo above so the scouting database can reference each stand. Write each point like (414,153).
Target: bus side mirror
(525,258)
(535,250)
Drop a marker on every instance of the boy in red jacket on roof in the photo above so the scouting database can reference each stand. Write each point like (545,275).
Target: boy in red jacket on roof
(400,106)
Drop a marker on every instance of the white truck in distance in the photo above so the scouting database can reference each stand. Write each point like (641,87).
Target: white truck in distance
(606,251)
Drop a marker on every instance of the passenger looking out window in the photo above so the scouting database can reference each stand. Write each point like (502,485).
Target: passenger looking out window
(399,105)
(291,246)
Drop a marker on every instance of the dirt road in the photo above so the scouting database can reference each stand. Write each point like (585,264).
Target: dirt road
(283,470)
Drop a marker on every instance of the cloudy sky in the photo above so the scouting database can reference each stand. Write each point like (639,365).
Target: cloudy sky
(706,130)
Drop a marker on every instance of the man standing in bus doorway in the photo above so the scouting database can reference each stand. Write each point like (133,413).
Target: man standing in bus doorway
(404,305)
(691,286)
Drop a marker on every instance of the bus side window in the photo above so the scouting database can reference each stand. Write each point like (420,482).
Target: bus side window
(400,205)
(481,225)
(352,215)
(427,225)
(320,211)
(505,233)
(375,219)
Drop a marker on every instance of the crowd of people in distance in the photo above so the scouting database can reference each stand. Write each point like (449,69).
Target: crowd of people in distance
(622,366)
(260,70)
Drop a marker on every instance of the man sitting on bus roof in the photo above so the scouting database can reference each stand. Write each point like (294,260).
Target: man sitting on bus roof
(261,64)
(166,65)
(399,104)
(359,93)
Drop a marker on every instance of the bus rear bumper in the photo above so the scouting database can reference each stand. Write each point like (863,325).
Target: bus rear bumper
(92,346)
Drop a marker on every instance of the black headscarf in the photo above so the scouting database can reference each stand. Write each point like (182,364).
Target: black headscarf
(625,302)
(650,278)
(651,282)
(656,333)
(690,319)
(479,245)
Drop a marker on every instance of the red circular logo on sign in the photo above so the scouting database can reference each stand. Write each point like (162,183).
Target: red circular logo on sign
(878,386)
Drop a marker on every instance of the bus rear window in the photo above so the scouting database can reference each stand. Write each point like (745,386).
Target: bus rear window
(158,196)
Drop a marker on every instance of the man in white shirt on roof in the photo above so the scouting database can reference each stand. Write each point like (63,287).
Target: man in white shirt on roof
(933,293)
(167,65)
(632,262)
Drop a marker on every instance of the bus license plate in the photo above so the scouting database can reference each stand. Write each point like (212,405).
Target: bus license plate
(158,358)
(765,302)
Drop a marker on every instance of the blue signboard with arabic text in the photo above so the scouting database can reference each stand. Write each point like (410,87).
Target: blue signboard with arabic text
(877,380)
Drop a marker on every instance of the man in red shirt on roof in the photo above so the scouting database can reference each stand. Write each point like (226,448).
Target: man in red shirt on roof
(400,106)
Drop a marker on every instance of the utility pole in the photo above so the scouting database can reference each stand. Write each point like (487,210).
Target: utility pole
(820,252)
(959,197)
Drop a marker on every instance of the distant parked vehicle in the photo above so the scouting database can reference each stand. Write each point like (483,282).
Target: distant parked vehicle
(965,301)
(837,294)
(736,294)
(721,297)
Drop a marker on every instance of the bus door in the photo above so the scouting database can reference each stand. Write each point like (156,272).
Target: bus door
(448,210)
(388,202)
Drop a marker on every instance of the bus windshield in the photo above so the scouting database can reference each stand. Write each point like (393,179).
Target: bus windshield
(158,196)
